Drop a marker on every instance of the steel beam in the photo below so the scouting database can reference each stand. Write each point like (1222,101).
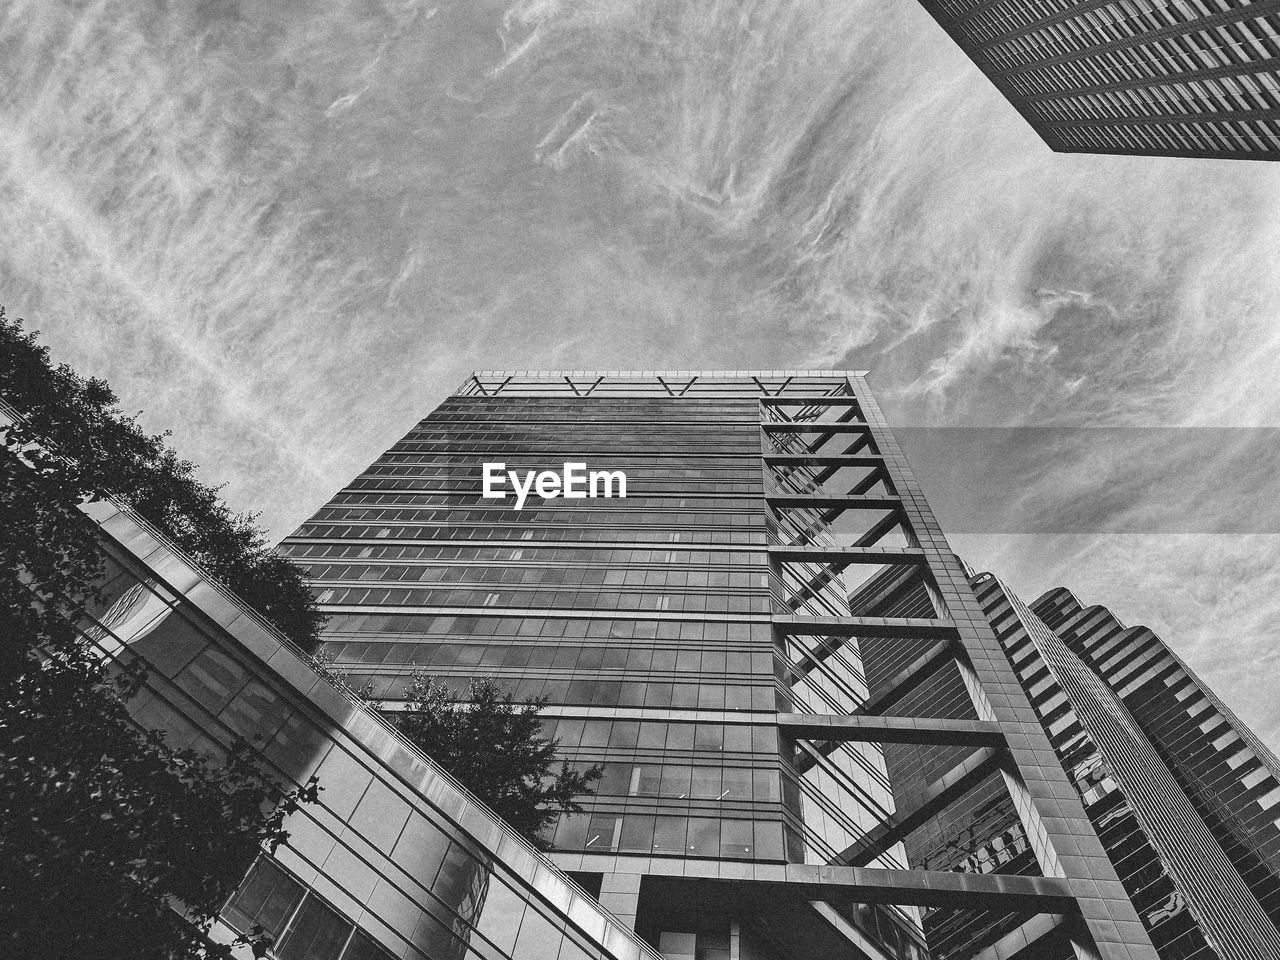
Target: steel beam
(868,729)
(915,811)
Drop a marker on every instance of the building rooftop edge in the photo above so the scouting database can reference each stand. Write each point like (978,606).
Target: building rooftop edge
(559,374)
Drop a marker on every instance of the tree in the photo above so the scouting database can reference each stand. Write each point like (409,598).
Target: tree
(495,748)
(112,455)
(50,556)
(490,743)
(104,827)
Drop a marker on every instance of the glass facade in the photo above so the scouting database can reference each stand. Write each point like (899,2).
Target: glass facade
(1229,776)
(395,860)
(1194,78)
(1130,764)
(696,638)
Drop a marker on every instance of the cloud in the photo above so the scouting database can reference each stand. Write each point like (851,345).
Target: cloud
(1214,599)
(287,238)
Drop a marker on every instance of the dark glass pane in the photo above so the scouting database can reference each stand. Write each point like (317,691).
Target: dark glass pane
(364,947)
(267,897)
(317,933)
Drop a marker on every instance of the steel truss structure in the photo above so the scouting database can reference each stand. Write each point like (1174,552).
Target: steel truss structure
(841,502)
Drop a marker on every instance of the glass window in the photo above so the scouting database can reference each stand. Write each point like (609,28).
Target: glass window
(736,839)
(652,735)
(501,914)
(637,834)
(212,678)
(737,738)
(601,832)
(675,780)
(768,836)
(710,736)
(571,832)
(704,837)
(736,784)
(267,896)
(595,733)
(706,782)
(538,938)
(765,785)
(680,736)
(669,835)
(649,779)
(616,779)
(364,947)
(435,939)
(317,933)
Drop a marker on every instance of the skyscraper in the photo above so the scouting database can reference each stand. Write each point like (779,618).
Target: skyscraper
(1191,78)
(695,636)
(1230,778)
(1184,799)
(394,860)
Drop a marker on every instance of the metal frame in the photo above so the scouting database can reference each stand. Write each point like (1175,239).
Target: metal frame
(1006,737)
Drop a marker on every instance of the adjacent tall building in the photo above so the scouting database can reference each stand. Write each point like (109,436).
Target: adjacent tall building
(1183,796)
(1230,779)
(696,637)
(1191,78)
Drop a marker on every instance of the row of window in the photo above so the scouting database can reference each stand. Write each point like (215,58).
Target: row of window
(662,836)
(635,661)
(592,736)
(407,479)
(545,600)
(1235,136)
(642,468)
(744,465)
(1188,97)
(598,440)
(589,691)
(590,556)
(549,627)
(497,449)
(499,922)
(682,781)
(1115,23)
(1154,58)
(1242,44)
(631,576)
(613,510)
(522,531)
(519,407)
(302,924)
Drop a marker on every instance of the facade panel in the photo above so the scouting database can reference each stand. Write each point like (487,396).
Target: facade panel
(1194,78)
(696,638)
(1130,766)
(395,860)
(1227,773)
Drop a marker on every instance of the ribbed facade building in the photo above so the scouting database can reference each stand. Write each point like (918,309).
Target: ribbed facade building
(696,638)
(1184,78)
(1183,796)
(1229,777)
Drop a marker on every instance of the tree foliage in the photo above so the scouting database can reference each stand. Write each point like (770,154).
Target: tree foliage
(495,748)
(113,455)
(490,743)
(104,828)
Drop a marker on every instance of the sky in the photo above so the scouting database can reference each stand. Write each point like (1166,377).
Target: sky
(285,231)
